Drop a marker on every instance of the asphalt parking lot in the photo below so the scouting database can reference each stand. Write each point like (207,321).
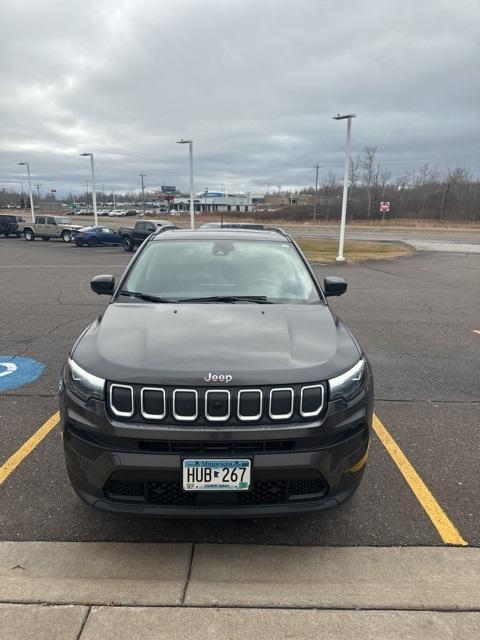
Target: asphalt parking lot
(418,319)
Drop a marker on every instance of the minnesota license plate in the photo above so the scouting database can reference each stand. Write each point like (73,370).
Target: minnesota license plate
(216,475)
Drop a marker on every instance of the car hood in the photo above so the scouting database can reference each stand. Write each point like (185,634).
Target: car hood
(180,344)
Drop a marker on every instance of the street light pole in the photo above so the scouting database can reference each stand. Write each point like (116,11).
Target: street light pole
(29,188)
(142,176)
(192,211)
(316,167)
(348,117)
(94,190)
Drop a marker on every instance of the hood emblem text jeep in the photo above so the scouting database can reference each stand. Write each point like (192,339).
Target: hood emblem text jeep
(223,377)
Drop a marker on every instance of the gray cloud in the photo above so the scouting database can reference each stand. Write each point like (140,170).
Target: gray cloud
(254,82)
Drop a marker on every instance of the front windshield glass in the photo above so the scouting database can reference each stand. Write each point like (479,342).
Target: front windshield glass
(196,269)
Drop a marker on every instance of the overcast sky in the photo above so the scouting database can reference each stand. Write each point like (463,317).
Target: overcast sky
(253,82)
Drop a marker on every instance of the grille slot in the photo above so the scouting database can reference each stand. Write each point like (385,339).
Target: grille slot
(311,400)
(121,400)
(217,405)
(250,403)
(153,404)
(281,403)
(185,405)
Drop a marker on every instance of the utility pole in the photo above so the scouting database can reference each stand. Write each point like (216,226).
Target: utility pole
(142,176)
(86,197)
(38,195)
(316,167)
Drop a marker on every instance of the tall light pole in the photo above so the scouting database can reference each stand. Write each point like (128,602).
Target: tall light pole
(348,117)
(142,176)
(94,190)
(192,212)
(316,167)
(25,164)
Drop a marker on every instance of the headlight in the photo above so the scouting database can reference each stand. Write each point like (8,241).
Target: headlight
(83,384)
(350,383)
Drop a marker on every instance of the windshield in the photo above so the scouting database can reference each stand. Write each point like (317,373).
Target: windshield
(233,270)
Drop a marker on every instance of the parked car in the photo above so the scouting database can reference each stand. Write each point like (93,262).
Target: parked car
(216,383)
(116,212)
(11,225)
(95,236)
(134,236)
(232,225)
(47,227)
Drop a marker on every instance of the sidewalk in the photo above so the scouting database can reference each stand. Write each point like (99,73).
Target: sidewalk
(70,590)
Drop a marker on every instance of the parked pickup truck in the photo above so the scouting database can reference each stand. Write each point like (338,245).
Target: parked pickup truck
(134,236)
(47,227)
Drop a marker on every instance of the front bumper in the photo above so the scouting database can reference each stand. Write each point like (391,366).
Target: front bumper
(136,468)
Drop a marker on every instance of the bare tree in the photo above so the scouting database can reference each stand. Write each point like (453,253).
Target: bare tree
(369,175)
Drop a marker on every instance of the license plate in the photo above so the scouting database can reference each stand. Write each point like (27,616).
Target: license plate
(216,475)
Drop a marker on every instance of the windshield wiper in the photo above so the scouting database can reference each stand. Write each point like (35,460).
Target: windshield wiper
(145,296)
(232,299)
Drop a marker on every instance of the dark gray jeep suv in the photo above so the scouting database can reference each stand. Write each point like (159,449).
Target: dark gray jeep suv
(217,382)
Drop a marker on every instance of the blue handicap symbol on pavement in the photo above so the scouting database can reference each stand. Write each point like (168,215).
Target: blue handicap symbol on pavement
(15,371)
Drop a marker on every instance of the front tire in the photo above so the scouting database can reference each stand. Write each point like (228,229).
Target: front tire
(29,235)
(79,242)
(66,236)
(127,244)
(92,242)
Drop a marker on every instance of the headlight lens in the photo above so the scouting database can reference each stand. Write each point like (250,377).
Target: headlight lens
(350,383)
(83,384)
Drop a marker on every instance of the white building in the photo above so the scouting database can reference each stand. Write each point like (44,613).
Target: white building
(213,201)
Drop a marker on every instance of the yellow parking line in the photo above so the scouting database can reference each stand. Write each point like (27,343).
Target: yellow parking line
(434,511)
(476,331)
(27,447)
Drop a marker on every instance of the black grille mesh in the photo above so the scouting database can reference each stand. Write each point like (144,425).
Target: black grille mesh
(263,492)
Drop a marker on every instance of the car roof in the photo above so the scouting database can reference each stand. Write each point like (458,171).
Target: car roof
(231,234)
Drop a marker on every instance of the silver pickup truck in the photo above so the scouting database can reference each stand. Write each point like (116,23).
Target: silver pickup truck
(47,227)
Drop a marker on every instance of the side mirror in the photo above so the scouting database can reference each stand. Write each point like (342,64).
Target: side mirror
(103,285)
(334,286)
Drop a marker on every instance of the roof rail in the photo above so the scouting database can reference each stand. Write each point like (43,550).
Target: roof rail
(165,227)
(278,230)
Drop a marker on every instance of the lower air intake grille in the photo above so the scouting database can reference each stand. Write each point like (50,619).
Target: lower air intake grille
(172,494)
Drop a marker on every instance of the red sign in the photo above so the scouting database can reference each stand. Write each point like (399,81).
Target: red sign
(384,207)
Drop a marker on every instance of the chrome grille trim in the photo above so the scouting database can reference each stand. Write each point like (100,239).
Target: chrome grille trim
(121,414)
(281,416)
(249,418)
(181,418)
(218,418)
(153,416)
(312,414)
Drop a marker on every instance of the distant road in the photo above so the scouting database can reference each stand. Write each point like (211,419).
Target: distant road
(422,240)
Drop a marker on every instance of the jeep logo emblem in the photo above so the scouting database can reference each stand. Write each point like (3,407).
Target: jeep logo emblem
(213,377)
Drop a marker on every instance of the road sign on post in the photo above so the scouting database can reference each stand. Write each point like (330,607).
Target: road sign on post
(169,188)
(384,208)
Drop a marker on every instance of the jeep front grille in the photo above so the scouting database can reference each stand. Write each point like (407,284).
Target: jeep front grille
(216,405)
